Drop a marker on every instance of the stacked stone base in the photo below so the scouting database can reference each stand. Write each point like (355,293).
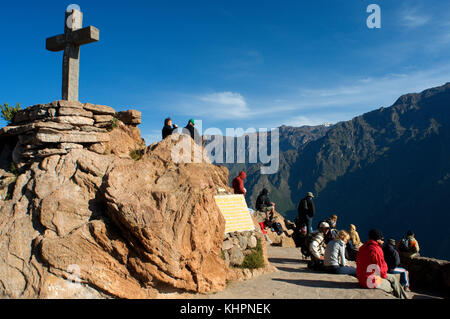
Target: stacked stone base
(237,245)
(55,128)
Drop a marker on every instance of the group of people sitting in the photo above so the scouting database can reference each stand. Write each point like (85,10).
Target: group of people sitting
(169,128)
(377,263)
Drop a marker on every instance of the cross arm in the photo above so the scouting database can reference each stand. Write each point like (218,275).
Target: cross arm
(78,37)
(86,35)
(56,43)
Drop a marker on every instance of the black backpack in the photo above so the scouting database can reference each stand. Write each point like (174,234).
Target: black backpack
(404,245)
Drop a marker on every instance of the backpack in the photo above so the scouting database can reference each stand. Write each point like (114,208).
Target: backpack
(404,245)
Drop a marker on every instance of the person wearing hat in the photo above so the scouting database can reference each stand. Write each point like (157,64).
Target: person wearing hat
(372,270)
(190,127)
(392,259)
(306,211)
(238,183)
(317,246)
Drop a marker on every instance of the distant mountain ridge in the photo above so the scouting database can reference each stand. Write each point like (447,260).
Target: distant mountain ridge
(388,168)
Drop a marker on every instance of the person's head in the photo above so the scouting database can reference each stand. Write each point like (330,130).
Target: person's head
(243,175)
(191,122)
(265,191)
(352,228)
(168,121)
(324,227)
(391,242)
(410,233)
(343,235)
(376,235)
(333,221)
(310,194)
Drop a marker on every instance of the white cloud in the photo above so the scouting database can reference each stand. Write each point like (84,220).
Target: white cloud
(308,121)
(373,92)
(227,99)
(413,17)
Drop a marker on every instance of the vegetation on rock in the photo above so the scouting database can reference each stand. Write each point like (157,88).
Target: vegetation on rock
(255,259)
(8,112)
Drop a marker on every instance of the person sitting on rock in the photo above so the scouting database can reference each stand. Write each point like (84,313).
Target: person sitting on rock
(354,243)
(332,234)
(317,246)
(332,221)
(238,183)
(192,131)
(392,259)
(334,259)
(168,128)
(408,247)
(263,203)
(372,270)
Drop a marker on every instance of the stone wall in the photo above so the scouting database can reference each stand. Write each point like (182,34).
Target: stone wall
(237,245)
(55,128)
(428,273)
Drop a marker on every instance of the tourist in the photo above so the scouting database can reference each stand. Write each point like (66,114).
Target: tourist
(392,259)
(332,234)
(408,247)
(332,221)
(263,203)
(191,130)
(238,183)
(317,246)
(371,268)
(354,243)
(354,237)
(306,211)
(334,258)
(168,128)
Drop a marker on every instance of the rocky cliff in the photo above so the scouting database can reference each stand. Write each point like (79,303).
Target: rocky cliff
(81,219)
(387,168)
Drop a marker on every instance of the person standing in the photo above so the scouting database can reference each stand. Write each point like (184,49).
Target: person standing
(238,183)
(168,128)
(306,211)
(372,270)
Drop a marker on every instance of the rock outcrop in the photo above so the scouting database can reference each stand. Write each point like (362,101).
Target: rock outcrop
(53,129)
(79,221)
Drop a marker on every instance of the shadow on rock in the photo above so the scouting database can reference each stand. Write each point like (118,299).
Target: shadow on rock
(287,261)
(320,283)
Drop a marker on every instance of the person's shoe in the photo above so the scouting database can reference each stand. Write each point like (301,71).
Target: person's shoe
(268,239)
(407,289)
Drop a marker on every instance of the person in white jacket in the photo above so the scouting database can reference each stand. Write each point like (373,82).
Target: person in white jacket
(334,259)
(317,246)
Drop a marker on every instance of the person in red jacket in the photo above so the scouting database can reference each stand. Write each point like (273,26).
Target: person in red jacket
(238,184)
(372,270)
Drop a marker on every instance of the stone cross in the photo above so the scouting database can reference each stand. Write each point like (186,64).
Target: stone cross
(74,36)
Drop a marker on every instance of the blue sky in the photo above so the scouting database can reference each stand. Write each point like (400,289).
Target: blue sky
(230,63)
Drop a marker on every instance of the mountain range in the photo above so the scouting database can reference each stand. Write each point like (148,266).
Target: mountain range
(387,169)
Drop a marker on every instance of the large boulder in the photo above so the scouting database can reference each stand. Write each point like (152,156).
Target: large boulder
(168,211)
(89,225)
